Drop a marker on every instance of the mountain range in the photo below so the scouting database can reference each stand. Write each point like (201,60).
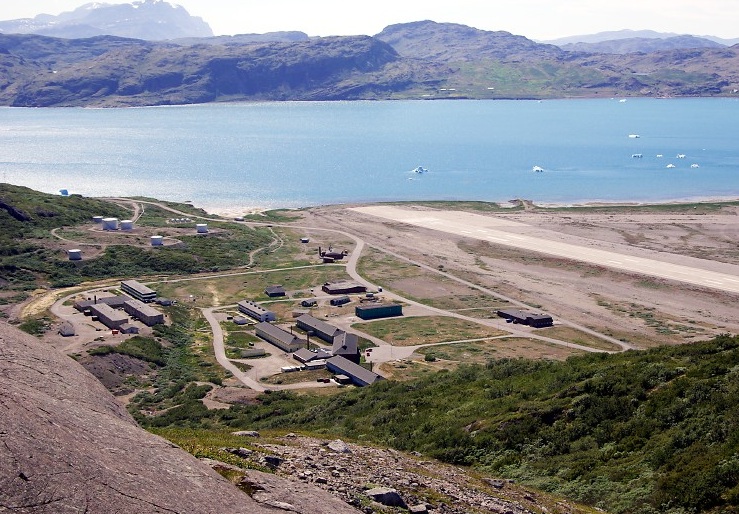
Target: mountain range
(143,19)
(418,60)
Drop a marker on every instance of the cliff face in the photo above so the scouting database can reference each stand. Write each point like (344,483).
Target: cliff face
(67,446)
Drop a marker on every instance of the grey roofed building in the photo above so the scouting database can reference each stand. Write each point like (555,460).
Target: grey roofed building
(320,328)
(359,376)
(526,317)
(305,355)
(138,290)
(346,345)
(148,315)
(282,339)
(343,288)
(273,291)
(66,329)
(256,311)
(114,301)
(109,316)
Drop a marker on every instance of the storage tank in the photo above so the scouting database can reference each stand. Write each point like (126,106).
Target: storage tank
(97,219)
(126,225)
(75,254)
(202,228)
(157,240)
(110,223)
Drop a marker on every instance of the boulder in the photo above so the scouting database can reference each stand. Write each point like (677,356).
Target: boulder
(386,496)
(246,433)
(338,446)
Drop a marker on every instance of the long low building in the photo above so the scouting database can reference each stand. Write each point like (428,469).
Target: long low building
(282,339)
(359,376)
(116,301)
(139,291)
(343,287)
(109,316)
(148,315)
(256,311)
(320,328)
(379,310)
(526,318)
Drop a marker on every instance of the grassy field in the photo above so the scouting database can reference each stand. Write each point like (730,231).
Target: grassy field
(412,331)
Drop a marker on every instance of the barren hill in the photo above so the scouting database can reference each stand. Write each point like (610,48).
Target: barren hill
(67,446)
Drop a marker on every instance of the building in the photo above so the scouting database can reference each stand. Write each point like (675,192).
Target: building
(275,291)
(309,303)
(341,300)
(357,374)
(321,329)
(305,355)
(138,291)
(282,339)
(114,301)
(128,328)
(526,318)
(256,311)
(108,316)
(379,310)
(343,287)
(148,315)
(66,329)
(346,345)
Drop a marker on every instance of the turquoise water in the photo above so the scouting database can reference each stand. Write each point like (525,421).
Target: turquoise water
(266,155)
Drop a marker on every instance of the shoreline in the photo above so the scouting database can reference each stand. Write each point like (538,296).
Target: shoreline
(232,212)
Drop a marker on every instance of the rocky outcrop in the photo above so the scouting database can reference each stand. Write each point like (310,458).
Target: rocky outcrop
(66,445)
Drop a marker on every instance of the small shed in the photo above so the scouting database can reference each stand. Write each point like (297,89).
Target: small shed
(274,291)
(341,300)
(66,329)
(376,311)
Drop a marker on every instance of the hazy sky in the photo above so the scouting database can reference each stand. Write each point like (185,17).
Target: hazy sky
(535,19)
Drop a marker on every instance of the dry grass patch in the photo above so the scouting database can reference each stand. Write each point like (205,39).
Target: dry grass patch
(572,335)
(413,331)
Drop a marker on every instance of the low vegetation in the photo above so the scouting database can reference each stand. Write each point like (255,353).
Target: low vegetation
(641,431)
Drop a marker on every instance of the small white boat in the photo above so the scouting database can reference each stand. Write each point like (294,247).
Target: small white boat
(694,166)
(681,156)
(659,155)
(634,136)
(636,156)
(537,169)
(623,101)
(670,166)
(420,169)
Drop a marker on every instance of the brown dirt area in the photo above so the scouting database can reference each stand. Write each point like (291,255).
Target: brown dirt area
(640,309)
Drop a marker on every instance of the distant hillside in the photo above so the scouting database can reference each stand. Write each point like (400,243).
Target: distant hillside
(614,35)
(407,61)
(454,42)
(144,19)
(643,45)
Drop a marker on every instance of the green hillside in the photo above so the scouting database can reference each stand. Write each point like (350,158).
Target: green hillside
(641,431)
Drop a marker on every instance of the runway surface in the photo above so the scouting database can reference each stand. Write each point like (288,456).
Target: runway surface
(510,233)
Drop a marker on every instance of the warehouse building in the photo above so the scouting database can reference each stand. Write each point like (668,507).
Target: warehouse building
(346,345)
(138,291)
(282,339)
(115,302)
(357,374)
(380,310)
(526,318)
(256,311)
(148,315)
(343,288)
(275,291)
(109,316)
(321,329)
(305,355)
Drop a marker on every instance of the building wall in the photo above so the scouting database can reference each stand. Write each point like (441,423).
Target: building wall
(255,311)
(378,311)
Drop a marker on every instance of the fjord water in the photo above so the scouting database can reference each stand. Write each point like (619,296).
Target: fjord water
(293,154)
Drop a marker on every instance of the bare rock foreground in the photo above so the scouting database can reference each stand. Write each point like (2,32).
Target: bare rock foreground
(66,445)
